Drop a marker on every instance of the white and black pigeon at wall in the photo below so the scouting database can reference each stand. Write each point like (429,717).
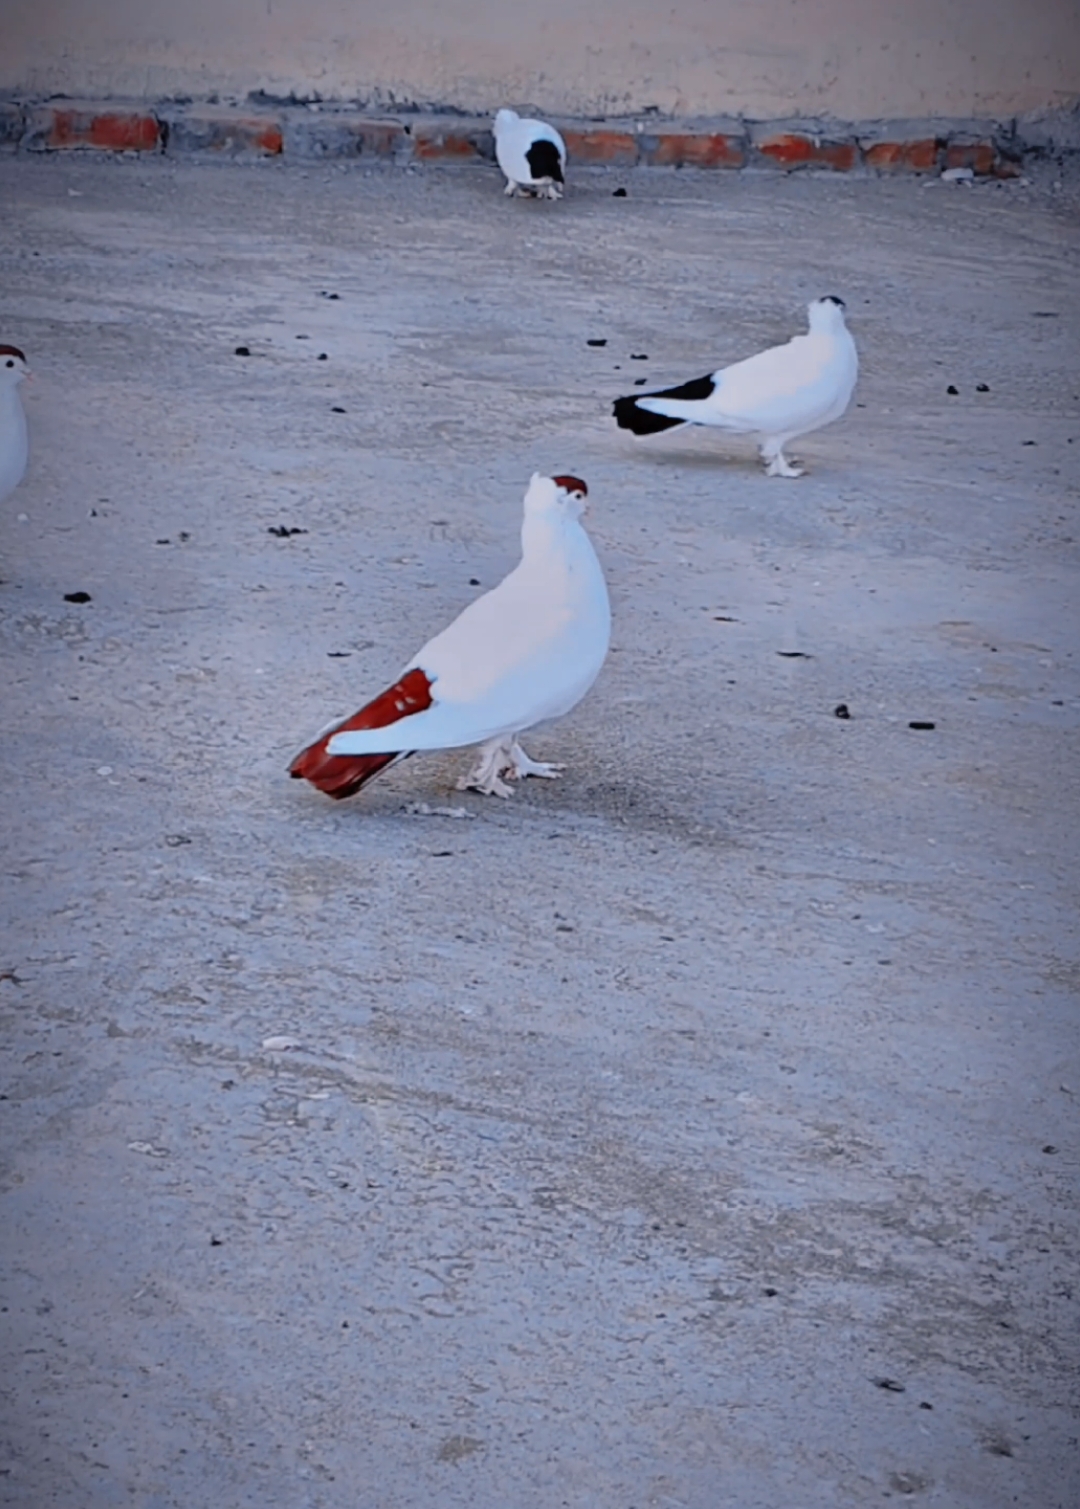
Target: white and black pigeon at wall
(522,654)
(532,155)
(778,394)
(14,444)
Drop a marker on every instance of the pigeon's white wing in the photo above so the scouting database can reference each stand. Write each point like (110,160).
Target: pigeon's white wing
(526,651)
(783,386)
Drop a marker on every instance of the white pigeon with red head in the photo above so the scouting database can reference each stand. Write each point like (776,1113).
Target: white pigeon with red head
(14,444)
(531,154)
(778,394)
(522,654)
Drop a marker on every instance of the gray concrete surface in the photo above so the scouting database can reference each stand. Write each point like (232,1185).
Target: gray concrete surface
(697,1131)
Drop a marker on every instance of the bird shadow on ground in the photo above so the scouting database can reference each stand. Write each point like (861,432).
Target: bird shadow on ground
(698,460)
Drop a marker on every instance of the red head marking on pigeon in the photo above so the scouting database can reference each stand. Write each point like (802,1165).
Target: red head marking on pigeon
(571,485)
(12,351)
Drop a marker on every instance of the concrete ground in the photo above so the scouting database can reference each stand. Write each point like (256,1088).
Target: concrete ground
(699,1130)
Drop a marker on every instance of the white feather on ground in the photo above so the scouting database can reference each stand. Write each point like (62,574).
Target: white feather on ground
(531,154)
(783,392)
(522,654)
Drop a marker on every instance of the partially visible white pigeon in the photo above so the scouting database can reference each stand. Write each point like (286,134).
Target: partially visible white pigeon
(532,154)
(524,653)
(778,394)
(14,446)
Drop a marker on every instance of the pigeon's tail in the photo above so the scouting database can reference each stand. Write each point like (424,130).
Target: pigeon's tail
(544,161)
(629,416)
(343,775)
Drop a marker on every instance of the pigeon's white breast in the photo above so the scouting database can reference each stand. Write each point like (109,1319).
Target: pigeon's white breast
(14,446)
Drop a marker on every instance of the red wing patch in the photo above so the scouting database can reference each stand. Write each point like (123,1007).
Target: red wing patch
(572,485)
(343,775)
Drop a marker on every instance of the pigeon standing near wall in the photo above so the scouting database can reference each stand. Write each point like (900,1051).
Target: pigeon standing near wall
(14,445)
(780,393)
(532,154)
(522,654)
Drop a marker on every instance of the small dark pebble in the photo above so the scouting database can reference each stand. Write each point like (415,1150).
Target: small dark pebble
(1057,702)
(953,389)
(841,710)
(1044,314)
(924,1405)
(1049,1148)
(283,531)
(618,193)
(215,1242)
(442,853)
(770,1293)
(596,342)
(639,356)
(336,410)
(891,1385)
(183,536)
(176,840)
(77,597)
(321,356)
(474,581)
(982,387)
(339,654)
(724,618)
(794,655)
(1028,442)
(325,295)
(639,382)
(228,1084)
(303,337)
(921,724)
(242,351)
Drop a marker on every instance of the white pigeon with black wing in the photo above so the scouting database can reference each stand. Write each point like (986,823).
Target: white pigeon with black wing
(532,155)
(14,443)
(780,393)
(522,654)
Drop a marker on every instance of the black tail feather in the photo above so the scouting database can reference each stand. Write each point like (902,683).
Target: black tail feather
(629,417)
(543,159)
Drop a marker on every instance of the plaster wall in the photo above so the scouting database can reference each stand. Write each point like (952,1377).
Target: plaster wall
(850,59)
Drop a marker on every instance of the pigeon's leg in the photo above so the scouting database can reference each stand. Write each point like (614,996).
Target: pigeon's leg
(551,191)
(511,188)
(776,463)
(521,766)
(486,775)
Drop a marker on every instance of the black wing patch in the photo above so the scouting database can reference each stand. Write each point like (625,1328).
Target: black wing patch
(629,417)
(544,162)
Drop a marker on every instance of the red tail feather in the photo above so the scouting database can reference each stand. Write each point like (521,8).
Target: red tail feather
(343,775)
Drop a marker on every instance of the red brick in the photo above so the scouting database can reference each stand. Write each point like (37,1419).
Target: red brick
(441,143)
(696,149)
(615,148)
(223,132)
(56,127)
(793,149)
(979,156)
(918,156)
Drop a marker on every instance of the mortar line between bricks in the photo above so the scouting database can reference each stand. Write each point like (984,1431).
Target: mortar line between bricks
(300,133)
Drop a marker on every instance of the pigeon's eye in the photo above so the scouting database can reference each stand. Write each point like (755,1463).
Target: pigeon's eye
(10,363)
